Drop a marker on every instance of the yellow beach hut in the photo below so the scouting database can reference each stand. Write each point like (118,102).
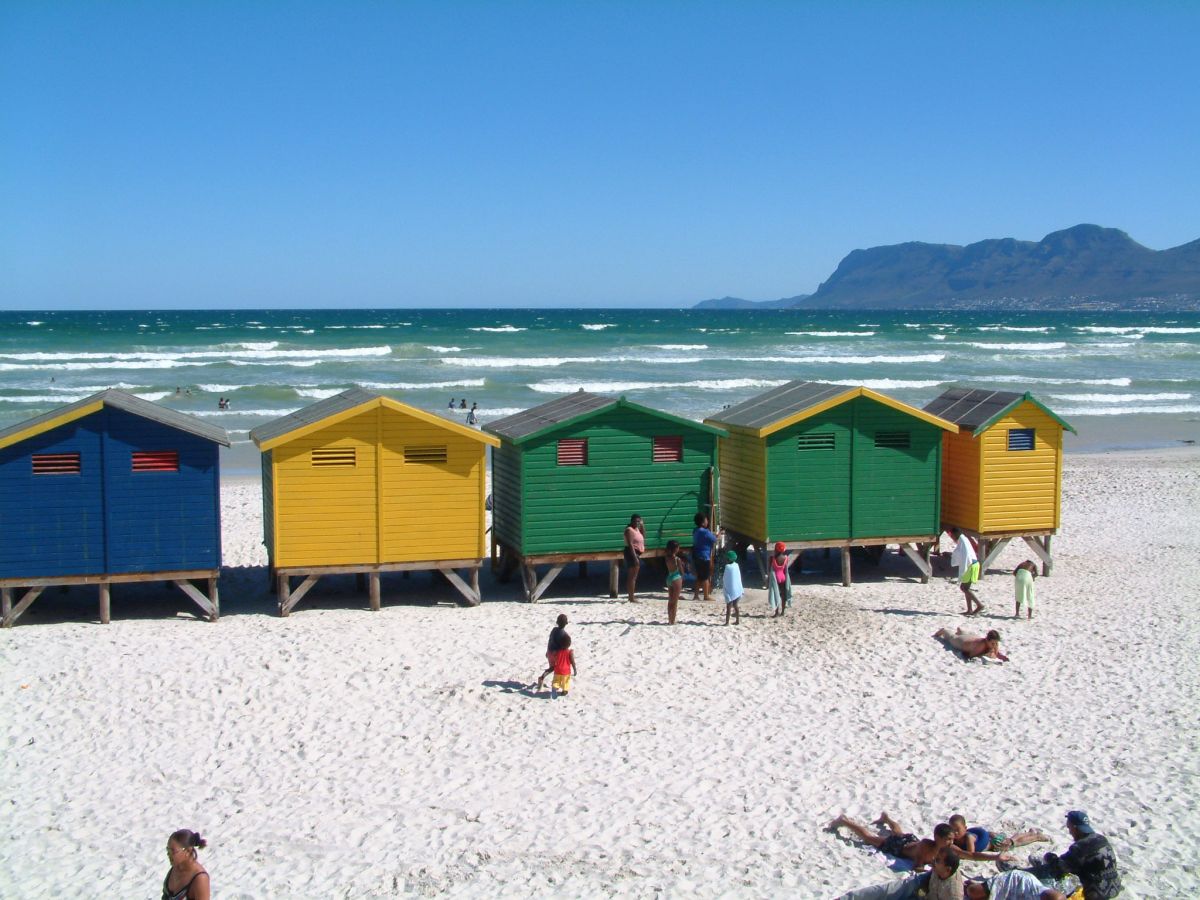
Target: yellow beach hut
(360,483)
(1002,471)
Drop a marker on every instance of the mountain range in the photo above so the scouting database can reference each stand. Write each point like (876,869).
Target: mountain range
(1084,267)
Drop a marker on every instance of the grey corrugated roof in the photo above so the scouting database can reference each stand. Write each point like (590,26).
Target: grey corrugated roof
(553,412)
(314,412)
(777,403)
(131,404)
(970,407)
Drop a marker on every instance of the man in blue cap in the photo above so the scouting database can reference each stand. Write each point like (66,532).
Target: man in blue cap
(1090,858)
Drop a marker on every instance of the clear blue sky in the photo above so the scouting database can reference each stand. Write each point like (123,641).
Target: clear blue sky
(243,154)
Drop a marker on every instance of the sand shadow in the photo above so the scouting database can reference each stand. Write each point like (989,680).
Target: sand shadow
(517,687)
(912,613)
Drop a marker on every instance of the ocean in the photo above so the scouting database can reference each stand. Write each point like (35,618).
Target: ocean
(1124,380)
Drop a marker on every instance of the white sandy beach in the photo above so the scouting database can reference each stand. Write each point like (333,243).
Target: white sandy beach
(344,753)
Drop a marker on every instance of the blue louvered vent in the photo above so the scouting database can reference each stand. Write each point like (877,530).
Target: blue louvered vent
(1020,439)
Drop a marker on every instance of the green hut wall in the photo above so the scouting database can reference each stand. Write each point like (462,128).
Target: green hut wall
(845,473)
(541,507)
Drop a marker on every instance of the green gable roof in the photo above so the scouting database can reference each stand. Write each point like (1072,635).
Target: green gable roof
(573,409)
(977,410)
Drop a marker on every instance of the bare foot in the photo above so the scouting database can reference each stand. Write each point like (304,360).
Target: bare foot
(835,824)
(882,818)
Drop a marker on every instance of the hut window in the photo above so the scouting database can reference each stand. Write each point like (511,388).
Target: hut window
(1020,439)
(668,449)
(426,455)
(56,464)
(155,461)
(820,441)
(891,440)
(334,456)
(572,452)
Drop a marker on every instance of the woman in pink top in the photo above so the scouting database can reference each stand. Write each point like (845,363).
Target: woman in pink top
(780,589)
(635,546)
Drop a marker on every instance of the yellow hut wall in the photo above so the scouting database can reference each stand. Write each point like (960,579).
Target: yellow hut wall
(1022,489)
(744,484)
(962,486)
(382,509)
(430,511)
(326,516)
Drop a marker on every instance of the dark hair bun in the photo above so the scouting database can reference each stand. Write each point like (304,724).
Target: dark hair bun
(198,841)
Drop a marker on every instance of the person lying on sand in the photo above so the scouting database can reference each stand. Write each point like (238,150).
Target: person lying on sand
(1016,885)
(895,841)
(974,840)
(943,882)
(972,645)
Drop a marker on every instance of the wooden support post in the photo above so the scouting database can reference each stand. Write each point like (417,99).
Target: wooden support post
(760,559)
(990,550)
(215,599)
(105,602)
(373,578)
(196,597)
(529,581)
(475,584)
(919,560)
(5,602)
(285,587)
(846,566)
(469,594)
(24,604)
(614,579)
(1042,551)
(546,581)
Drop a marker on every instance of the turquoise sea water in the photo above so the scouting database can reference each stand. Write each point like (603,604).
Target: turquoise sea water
(1128,379)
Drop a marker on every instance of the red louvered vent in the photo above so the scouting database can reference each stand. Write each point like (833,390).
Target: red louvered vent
(156,460)
(56,464)
(572,452)
(668,449)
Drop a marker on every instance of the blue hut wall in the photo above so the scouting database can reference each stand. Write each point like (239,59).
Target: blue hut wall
(109,519)
(53,524)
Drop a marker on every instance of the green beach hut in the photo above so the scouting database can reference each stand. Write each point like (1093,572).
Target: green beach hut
(814,465)
(569,473)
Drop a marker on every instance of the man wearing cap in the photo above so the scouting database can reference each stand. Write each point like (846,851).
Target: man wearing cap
(1090,858)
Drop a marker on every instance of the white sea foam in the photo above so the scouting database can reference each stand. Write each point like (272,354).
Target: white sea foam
(366,327)
(1126,410)
(86,366)
(421,385)
(598,326)
(885,384)
(436,349)
(937,337)
(256,413)
(566,385)
(47,398)
(988,345)
(499,412)
(219,388)
(502,329)
(259,345)
(547,362)
(35,323)
(231,353)
(1121,398)
(833,333)
(319,393)
(1029,328)
(1136,329)
(153,395)
(1032,379)
(680,346)
(845,360)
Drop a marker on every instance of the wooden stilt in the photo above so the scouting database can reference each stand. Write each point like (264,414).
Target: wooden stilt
(285,587)
(196,597)
(22,605)
(919,560)
(373,578)
(845,567)
(105,602)
(470,595)
(546,581)
(529,581)
(215,599)
(5,602)
(1042,551)
(760,559)
(475,585)
(614,579)
(297,595)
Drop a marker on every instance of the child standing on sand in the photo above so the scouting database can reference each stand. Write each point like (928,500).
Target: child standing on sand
(732,586)
(564,668)
(779,585)
(674,579)
(1023,576)
(559,640)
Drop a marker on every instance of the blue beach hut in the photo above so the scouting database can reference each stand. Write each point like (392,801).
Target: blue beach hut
(109,489)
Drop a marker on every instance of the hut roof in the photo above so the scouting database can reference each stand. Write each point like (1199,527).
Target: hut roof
(342,406)
(977,410)
(572,408)
(780,407)
(117,400)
